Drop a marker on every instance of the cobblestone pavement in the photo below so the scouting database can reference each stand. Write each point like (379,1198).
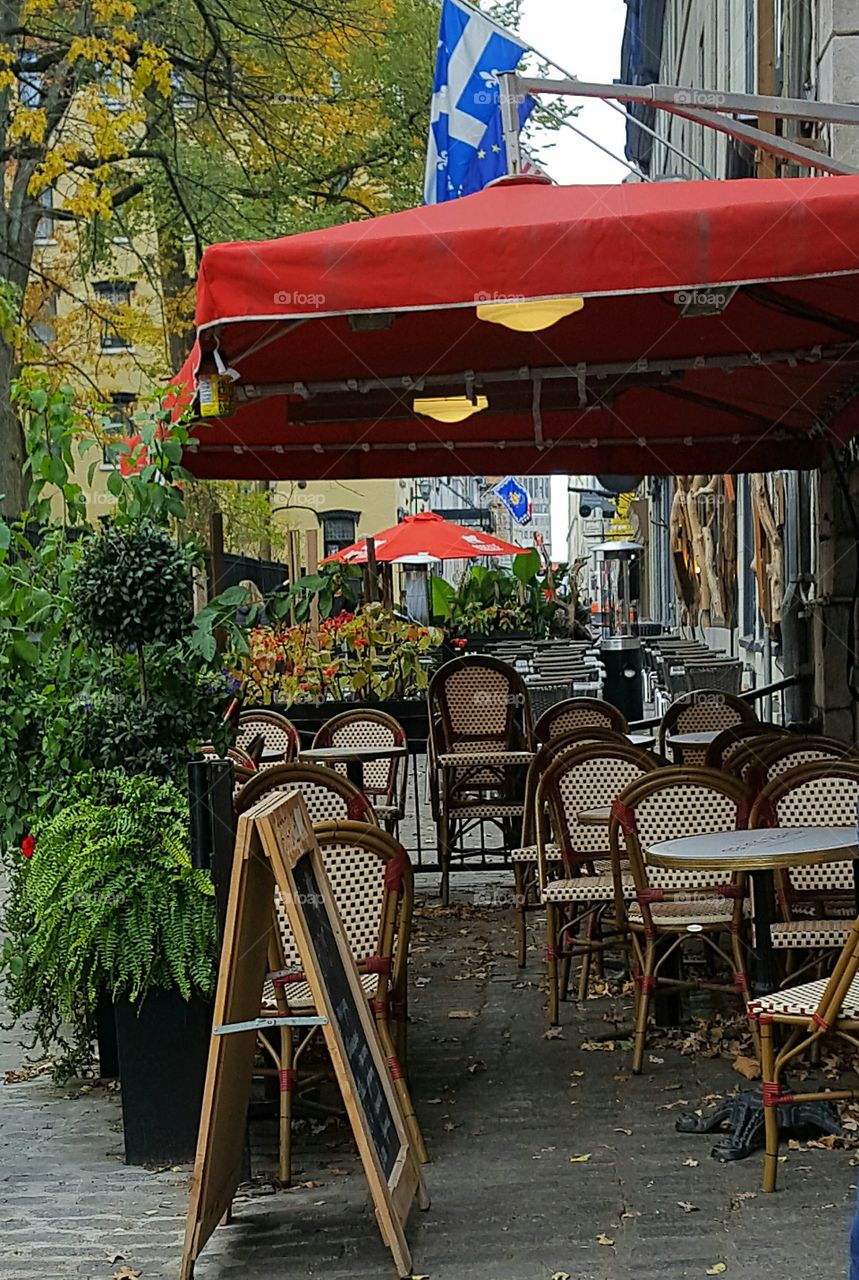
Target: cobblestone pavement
(509,1116)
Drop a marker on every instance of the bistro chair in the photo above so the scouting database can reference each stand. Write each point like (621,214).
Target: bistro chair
(480,741)
(280,737)
(817,902)
(745,762)
(579,713)
(524,857)
(811,1011)
(670,908)
(329,796)
(373,887)
(235,754)
(786,753)
(586,777)
(703,711)
(730,740)
(384,780)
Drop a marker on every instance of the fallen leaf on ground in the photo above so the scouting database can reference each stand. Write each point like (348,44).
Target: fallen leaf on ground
(310,1185)
(717,1269)
(690,1163)
(461,1013)
(125,1273)
(599,1046)
(750,1068)
(578,1074)
(580,1159)
(628,1132)
(687,1207)
(656,1061)
(553,1033)
(604,1239)
(560,1275)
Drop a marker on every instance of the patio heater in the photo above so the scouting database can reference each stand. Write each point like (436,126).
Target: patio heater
(618,578)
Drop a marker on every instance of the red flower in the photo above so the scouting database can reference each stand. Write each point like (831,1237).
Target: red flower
(461,643)
(28,844)
(360,642)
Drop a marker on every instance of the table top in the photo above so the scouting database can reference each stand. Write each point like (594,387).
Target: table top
(641,739)
(342,755)
(701,739)
(599,817)
(765,849)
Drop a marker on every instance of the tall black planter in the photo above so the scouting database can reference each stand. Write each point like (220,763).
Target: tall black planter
(163,1045)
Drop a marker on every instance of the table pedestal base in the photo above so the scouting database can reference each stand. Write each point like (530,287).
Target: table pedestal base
(742,1122)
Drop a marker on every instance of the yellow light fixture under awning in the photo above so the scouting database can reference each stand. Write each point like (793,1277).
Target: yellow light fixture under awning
(450,408)
(529,317)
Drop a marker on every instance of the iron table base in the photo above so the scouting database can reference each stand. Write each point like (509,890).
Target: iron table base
(741,1122)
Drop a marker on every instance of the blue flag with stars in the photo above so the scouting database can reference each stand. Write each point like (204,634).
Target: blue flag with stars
(466,138)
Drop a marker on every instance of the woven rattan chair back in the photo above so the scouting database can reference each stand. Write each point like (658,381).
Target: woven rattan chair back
(819,793)
(791,752)
(368,728)
(731,740)
(478,701)
(328,796)
(280,736)
(545,755)
(671,803)
(703,711)
(704,674)
(746,761)
(589,776)
(235,754)
(361,862)
(579,713)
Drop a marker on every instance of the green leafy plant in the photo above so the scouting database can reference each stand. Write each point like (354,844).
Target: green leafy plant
(493,600)
(106,901)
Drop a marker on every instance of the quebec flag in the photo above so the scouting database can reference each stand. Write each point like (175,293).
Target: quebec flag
(466,138)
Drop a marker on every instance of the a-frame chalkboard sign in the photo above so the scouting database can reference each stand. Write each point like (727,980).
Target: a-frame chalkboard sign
(275,846)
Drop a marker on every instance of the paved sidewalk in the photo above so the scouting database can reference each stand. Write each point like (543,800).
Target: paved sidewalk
(507,1114)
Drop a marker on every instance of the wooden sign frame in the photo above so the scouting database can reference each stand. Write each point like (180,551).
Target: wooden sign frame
(276,846)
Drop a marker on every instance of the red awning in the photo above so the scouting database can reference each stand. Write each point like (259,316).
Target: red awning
(427,536)
(334,333)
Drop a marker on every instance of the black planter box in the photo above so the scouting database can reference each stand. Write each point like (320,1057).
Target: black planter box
(308,717)
(163,1045)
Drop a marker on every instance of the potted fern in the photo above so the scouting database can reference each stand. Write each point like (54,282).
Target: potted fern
(109,904)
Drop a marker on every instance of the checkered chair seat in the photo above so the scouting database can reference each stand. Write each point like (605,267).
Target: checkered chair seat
(802,1001)
(698,911)
(491,809)
(298,995)
(810,933)
(528,853)
(475,753)
(584,889)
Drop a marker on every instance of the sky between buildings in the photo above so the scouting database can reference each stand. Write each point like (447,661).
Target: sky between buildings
(585,37)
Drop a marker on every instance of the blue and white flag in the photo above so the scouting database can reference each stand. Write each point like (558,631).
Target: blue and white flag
(515,498)
(466,138)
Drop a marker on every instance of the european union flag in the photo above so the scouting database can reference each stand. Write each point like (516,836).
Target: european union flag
(466,139)
(515,498)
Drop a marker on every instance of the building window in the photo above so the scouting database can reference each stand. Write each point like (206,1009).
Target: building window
(45,225)
(30,83)
(117,427)
(338,530)
(113,294)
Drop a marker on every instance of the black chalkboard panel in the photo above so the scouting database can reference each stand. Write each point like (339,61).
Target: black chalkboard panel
(368,1086)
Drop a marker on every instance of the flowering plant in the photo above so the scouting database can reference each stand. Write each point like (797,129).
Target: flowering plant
(366,655)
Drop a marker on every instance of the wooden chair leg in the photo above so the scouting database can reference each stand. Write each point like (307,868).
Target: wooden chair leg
(444,856)
(520,890)
(587,961)
(768,1074)
(286,1079)
(552,961)
(646,983)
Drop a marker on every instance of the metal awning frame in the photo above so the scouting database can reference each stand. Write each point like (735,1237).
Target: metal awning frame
(703,106)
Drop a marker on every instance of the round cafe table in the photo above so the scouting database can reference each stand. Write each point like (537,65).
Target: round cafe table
(641,739)
(354,758)
(760,853)
(598,817)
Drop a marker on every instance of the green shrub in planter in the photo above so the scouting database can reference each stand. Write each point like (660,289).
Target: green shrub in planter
(133,586)
(107,902)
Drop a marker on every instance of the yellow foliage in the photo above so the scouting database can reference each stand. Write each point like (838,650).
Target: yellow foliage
(90,201)
(153,68)
(7,80)
(7,55)
(114,11)
(28,122)
(94,49)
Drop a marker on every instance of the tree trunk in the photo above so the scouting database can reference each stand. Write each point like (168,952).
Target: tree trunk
(12,484)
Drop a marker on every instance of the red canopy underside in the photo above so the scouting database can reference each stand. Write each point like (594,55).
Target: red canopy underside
(626,385)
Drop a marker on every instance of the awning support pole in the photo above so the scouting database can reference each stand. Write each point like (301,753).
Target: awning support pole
(510,100)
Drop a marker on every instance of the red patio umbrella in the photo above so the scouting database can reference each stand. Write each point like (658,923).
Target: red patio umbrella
(426,537)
